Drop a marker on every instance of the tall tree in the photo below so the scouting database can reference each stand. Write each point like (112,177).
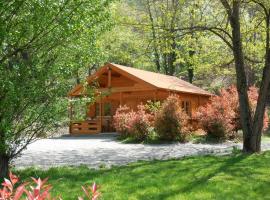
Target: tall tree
(231,30)
(252,126)
(40,43)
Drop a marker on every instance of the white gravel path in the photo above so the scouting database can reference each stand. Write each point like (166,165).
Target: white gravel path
(105,150)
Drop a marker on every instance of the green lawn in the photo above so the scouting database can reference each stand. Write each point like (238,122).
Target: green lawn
(203,177)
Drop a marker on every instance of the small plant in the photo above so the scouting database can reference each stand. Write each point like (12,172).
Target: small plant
(9,192)
(171,122)
(36,190)
(91,192)
(153,106)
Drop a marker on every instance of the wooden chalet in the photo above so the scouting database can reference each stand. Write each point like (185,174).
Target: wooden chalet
(121,85)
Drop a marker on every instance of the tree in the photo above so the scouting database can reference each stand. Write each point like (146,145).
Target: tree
(252,127)
(43,43)
(231,32)
(126,45)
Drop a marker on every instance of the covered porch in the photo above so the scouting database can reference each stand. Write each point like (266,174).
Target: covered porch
(99,114)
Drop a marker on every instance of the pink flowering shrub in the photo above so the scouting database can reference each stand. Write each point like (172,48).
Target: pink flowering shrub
(221,116)
(39,191)
(133,123)
(171,122)
(122,120)
(141,123)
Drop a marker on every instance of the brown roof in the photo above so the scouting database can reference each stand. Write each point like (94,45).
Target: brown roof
(163,81)
(157,80)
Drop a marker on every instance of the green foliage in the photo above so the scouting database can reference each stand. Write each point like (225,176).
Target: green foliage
(193,54)
(125,44)
(200,177)
(43,44)
(153,106)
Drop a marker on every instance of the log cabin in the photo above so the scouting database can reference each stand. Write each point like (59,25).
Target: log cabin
(120,85)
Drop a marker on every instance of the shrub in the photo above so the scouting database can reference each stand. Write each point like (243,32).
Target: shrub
(131,123)
(122,120)
(216,118)
(171,122)
(41,191)
(221,116)
(141,123)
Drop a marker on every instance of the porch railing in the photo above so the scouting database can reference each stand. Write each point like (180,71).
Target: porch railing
(85,127)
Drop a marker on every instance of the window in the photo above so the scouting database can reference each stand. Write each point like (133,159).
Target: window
(186,106)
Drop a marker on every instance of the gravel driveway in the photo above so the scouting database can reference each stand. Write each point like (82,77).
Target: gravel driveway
(105,150)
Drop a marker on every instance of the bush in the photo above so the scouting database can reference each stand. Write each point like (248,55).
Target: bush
(216,118)
(133,124)
(140,124)
(122,120)
(221,116)
(171,122)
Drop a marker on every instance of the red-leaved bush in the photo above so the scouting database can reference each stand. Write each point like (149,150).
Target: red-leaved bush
(133,123)
(141,123)
(221,116)
(39,191)
(171,122)
(122,120)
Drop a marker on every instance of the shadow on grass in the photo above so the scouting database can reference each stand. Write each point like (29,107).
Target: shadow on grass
(220,177)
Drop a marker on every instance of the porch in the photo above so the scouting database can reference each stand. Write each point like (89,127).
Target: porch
(98,118)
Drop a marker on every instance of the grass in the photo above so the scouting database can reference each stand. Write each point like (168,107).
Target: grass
(236,176)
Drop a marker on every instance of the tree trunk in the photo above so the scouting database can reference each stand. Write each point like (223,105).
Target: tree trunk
(156,54)
(242,88)
(190,74)
(190,67)
(4,164)
(172,58)
(261,103)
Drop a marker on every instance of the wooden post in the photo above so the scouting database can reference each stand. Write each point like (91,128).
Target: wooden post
(70,111)
(100,111)
(109,78)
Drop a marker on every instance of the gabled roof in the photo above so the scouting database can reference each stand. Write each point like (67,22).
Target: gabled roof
(163,81)
(157,80)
